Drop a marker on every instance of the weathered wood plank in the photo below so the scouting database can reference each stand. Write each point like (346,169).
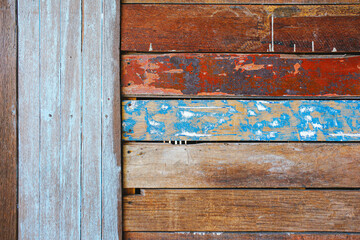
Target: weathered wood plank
(111,124)
(49,119)
(91,222)
(226,120)
(237,235)
(239,75)
(244,1)
(242,210)
(29,119)
(244,165)
(70,119)
(8,120)
(235,28)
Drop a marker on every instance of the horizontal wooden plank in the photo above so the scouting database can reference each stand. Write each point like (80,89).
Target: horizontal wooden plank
(244,1)
(240,75)
(238,235)
(240,28)
(244,165)
(241,120)
(242,210)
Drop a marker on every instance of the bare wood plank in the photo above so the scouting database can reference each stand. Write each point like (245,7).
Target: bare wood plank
(241,120)
(243,1)
(111,124)
(29,119)
(70,119)
(239,75)
(242,210)
(245,165)
(238,235)
(8,121)
(49,119)
(92,121)
(245,28)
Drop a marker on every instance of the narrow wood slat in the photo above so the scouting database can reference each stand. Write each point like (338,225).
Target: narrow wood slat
(237,235)
(29,119)
(111,123)
(49,161)
(8,121)
(91,198)
(239,75)
(240,28)
(243,1)
(248,120)
(70,120)
(245,165)
(242,210)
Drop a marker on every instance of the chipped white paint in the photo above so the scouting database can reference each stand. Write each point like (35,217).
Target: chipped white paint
(317,125)
(150,47)
(345,134)
(272,33)
(307,134)
(312,46)
(192,134)
(260,106)
(187,114)
(334,50)
(251,112)
(294,47)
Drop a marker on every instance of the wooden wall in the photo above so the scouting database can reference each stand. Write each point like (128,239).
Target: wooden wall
(69,119)
(240,119)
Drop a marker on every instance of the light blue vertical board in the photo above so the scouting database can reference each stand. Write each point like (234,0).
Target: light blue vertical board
(29,119)
(70,119)
(50,119)
(241,120)
(111,123)
(91,120)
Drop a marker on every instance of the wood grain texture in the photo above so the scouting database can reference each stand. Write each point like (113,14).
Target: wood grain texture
(70,119)
(241,165)
(29,119)
(244,1)
(49,161)
(8,120)
(239,75)
(240,28)
(111,123)
(241,120)
(242,210)
(237,235)
(91,199)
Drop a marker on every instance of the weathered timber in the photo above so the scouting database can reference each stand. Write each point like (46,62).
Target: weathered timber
(242,210)
(238,235)
(241,120)
(241,165)
(239,75)
(8,121)
(240,28)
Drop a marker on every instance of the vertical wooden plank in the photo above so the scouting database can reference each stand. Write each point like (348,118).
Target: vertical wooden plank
(29,118)
(70,120)
(92,121)
(111,120)
(8,150)
(49,119)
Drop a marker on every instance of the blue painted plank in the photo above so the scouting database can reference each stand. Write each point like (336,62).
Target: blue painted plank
(241,120)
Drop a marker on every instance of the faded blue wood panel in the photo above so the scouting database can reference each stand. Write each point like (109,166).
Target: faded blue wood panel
(241,120)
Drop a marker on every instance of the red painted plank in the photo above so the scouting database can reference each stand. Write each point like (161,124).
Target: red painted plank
(240,28)
(240,75)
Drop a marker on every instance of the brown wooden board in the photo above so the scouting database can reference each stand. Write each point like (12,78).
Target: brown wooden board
(244,1)
(241,165)
(242,210)
(240,28)
(8,122)
(237,235)
(190,74)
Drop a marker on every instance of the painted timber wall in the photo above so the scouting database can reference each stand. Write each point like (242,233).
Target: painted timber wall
(69,119)
(240,119)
